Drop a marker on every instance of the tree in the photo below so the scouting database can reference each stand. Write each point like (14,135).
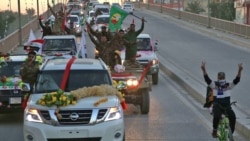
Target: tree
(223,10)
(194,7)
(30,11)
(6,18)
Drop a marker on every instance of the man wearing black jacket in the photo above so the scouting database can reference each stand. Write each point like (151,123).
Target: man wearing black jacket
(222,95)
(46,28)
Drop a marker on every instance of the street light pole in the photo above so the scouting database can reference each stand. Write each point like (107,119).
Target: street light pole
(209,14)
(179,10)
(161,6)
(19,23)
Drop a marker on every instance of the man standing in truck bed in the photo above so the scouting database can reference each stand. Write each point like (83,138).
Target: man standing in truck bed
(131,49)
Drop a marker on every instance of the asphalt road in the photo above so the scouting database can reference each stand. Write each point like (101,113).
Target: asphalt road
(174,115)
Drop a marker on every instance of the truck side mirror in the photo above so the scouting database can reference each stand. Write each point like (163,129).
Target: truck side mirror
(156,45)
(25,87)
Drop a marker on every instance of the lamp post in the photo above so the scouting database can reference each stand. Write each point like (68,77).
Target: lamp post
(179,10)
(19,23)
(161,6)
(208,14)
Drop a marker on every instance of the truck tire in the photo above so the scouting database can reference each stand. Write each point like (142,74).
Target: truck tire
(145,102)
(155,78)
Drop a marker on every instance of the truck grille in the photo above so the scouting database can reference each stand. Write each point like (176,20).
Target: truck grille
(143,62)
(75,117)
(78,139)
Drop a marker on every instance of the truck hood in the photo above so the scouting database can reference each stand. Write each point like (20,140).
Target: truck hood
(141,55)
(87,103)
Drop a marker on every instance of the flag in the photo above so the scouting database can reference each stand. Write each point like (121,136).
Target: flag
(64,18)
(83,46)
(31,36)
(117,15)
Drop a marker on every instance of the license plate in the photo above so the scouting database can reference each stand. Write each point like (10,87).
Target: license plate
(15,100)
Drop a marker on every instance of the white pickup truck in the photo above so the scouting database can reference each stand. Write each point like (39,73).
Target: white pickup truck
(65,46)
(84,119)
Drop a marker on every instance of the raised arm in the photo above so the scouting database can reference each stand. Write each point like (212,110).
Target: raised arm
(92,39)
(40,22)
(51,10)
(142,27)
(237,78)
(204,71)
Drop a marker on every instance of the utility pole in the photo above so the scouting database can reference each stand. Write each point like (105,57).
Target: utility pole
(19,23)
(208,14)
(179,9)
(38,14)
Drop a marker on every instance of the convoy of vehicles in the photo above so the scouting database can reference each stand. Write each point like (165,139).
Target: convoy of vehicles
(82,120)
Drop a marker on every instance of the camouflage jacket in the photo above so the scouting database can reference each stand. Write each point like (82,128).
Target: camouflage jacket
(131,36)
(104,48)
(29,72)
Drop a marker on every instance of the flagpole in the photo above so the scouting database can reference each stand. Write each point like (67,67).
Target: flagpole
(137,17)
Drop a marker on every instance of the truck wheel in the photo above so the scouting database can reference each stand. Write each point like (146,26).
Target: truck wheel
(145,102)
(155,78)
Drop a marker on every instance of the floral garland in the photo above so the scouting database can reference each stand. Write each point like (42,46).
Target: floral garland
(11,82)
(60,98)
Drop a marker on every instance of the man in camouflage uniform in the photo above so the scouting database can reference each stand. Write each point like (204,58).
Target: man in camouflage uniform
(131,49)
(70,30)
(103,47)
(59,21)
(98,34)
(29,69)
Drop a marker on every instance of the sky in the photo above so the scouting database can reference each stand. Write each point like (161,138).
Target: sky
(13,5)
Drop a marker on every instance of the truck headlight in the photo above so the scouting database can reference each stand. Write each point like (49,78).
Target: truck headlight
(32,115)
(132,82)
(77,25)
(114,113)
(155,61)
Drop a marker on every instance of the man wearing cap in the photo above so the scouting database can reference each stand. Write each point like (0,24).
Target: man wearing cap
(97,34)
(131,49)
(222,96)
(29,69)
(46,29)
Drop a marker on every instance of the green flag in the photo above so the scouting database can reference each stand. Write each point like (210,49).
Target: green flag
(117,15)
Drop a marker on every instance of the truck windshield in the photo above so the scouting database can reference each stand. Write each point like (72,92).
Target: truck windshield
(49,81)
(59,45)
(143,44)
(10,69)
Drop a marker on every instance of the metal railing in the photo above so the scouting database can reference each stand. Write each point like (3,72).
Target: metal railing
(11,41)
(242,30)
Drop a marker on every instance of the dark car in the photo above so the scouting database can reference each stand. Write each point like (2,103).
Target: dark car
(11,85)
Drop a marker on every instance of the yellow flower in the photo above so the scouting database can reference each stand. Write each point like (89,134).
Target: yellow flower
(42,103)
(73,102)
(53,99)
